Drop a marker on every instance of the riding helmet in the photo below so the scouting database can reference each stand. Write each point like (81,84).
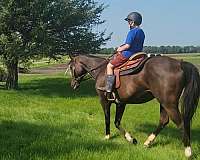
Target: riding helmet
(134,16)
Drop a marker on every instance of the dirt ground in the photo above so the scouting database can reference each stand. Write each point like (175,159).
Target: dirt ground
(49,69)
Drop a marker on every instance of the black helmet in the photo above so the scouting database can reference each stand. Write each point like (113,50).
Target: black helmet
(134,16)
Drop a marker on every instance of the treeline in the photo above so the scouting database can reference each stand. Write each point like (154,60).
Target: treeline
(172,49)
(161,49)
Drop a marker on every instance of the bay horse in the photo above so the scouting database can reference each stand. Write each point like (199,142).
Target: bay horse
(162,77)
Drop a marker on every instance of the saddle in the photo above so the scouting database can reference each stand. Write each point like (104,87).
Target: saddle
(132,66)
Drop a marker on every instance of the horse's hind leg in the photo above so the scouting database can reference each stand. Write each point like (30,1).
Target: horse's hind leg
(176,117)
(186,138)
(164,120)
(118,116)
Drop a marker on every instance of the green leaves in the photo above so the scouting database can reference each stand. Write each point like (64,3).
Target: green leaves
(50,28)
(11,45)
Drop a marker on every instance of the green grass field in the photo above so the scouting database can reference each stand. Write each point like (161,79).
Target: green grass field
(193,57)
(45,119)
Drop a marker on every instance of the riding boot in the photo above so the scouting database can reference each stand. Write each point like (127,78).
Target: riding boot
(109,86)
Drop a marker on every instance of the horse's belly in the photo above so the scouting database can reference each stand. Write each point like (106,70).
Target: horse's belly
(137,98)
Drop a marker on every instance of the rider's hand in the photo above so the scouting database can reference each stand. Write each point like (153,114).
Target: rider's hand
(123,47)
(119,49)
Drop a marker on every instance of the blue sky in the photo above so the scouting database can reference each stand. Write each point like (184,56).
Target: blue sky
(169,22)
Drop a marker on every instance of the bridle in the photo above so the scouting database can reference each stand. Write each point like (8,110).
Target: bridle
(89,71)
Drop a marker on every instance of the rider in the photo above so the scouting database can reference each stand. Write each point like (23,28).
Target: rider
(133,44)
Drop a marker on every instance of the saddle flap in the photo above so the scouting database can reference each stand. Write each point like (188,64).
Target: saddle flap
(133,61)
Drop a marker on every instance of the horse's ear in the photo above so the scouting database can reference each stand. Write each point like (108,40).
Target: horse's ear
(70,56)
(73,55)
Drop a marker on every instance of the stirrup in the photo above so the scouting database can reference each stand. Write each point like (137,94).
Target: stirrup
(111,99)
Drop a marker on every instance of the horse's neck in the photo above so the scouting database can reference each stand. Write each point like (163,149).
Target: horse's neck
(94,65)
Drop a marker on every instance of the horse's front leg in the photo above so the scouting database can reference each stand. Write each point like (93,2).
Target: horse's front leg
(118,116)
(106,108)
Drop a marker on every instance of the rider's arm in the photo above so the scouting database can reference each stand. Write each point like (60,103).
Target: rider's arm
(123,47)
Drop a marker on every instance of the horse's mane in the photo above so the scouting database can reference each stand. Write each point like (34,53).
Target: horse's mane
(91,59)
(92,56)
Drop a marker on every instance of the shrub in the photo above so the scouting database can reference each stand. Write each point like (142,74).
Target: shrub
(3,75)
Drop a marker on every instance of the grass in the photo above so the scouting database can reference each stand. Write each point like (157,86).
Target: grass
(44,62)
(46,120)
(193,58)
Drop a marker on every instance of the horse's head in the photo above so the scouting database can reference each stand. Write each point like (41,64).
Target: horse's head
(77,71)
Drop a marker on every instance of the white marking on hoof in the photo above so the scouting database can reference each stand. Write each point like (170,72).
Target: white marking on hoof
(188,152)
(128,137)
(107,137)
(149,140)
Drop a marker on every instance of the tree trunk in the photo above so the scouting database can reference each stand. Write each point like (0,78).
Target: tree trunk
(12,77)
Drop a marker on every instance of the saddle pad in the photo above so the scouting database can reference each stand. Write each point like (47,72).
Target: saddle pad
(132,61)
(134,67)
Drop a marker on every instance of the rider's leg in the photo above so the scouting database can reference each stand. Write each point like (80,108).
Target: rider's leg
(110,69)
(110,80)
(116,61)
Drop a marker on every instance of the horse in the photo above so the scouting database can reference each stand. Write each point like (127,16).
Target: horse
(163,78)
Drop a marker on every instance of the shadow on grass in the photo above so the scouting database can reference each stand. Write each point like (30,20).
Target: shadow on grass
(168,131)
(22,140)
(58,87)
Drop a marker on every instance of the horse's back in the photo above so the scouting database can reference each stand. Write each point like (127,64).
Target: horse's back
(162,66)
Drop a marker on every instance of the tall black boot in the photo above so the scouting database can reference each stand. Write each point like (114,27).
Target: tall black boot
(109,86)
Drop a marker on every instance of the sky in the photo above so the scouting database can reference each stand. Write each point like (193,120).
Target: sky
(165,22)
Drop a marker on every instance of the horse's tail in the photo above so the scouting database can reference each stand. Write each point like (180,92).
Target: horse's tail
(191,92)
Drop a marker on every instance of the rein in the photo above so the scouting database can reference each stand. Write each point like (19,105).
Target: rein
(78,79)
(106,60)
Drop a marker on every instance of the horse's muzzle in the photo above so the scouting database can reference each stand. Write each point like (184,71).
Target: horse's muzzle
(74,84)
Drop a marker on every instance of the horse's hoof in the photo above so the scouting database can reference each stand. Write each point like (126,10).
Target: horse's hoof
(107,137)
(146,145)
(188,152)
(134,141)
(149,140)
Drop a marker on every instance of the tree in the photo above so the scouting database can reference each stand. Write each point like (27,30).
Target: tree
(108,51)
(31,28)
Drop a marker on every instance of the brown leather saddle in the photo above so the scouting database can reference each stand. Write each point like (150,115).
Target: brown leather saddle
(132,66)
